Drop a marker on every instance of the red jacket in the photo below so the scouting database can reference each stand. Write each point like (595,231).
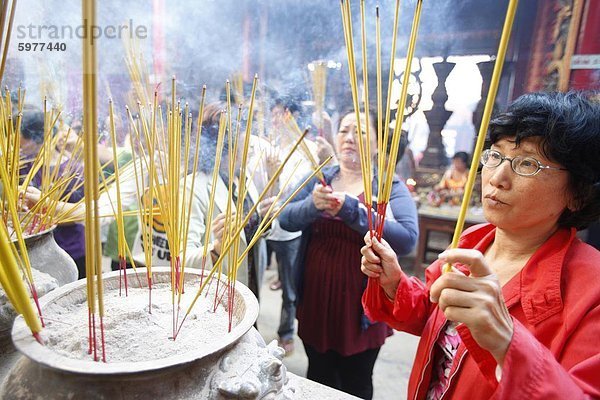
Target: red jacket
(555,306)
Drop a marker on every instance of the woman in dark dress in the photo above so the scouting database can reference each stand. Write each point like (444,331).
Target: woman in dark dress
(341,344)
(69,236)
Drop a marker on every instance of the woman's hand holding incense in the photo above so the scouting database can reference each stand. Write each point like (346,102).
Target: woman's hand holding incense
(475,300)
(218,228)
(380,262)
(31,197)
(325,199)
(337,204)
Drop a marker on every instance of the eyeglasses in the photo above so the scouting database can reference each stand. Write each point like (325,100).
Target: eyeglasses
(524,166)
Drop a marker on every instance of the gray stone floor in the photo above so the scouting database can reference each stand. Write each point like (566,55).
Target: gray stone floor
(391,369)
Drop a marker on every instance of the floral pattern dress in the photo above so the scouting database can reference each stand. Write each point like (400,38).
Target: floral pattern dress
(445,350)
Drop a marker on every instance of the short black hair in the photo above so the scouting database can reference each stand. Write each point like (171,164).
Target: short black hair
(32,124)
(461,155)
(569,127)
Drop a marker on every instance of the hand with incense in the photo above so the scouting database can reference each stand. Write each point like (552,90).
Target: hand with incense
(31,196)
(330,318)
(218,228)
(380,262)
(325,199)
(475,300)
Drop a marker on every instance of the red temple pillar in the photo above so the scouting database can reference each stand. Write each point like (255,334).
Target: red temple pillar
(585,72)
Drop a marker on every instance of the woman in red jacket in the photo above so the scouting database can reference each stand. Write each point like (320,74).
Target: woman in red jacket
(519,317)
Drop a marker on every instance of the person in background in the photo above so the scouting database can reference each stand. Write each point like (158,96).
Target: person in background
(341,344)
(70,237)
(66,142)
(251,270)
(518,317)
(455,177)
(285,244)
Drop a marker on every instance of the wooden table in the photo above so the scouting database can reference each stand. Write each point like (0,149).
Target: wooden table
(440,219)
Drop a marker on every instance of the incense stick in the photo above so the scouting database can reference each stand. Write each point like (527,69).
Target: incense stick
(92,236)
(487,112)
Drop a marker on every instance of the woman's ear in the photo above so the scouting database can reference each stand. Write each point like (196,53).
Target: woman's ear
(573,204)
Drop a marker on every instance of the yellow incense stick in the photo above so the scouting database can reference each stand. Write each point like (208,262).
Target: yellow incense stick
(348,34)
(11,199)
(11,281)
(241,227)
(91,170)
(367,156)
(119,215)
(195,167)
(215,177)
(293,125)
(487,112)
(387,190)
(380,127)
(388,112)
(6,43)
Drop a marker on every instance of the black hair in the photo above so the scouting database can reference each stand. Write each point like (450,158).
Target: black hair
(461,155)
(289,103)
(209,136)
(568,125)
(32,125)
(292,105)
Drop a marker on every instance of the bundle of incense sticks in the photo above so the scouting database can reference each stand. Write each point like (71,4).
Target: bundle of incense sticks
(318,74)
(12,283)
(232,241)
(386,161)
(138,71)
(237,81)
(59,173)
(14,259)
(159,151)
